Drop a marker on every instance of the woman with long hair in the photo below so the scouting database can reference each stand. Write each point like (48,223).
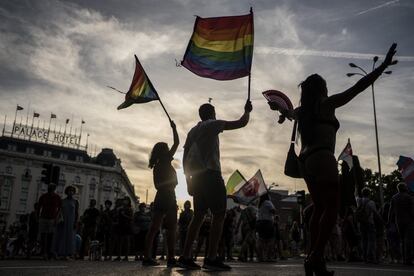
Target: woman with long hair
(165,204)
(317,126)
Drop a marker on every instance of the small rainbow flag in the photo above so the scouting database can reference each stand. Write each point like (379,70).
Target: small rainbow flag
(221,48)
(141,89)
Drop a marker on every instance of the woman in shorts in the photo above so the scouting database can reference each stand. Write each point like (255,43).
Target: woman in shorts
(165,204)
(317,125)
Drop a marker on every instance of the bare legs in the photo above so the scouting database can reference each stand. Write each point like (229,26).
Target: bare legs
(323,185)
(170,223)
(214,238)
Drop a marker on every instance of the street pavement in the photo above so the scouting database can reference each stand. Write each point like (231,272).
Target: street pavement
(107,268)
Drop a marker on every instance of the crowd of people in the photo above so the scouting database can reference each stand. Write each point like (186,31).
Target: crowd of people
(367,233)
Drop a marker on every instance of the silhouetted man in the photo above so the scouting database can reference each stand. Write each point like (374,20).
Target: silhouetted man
(90,222)
(183,222)
(204,181)
(402,212)
(50,204)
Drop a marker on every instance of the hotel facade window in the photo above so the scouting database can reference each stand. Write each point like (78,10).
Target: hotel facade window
(5,193)
(61,184)
(92,188)
(47,153)
(63,156)
(11,147)
(24,190)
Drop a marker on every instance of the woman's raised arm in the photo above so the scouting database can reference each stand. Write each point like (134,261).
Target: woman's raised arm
(343,98)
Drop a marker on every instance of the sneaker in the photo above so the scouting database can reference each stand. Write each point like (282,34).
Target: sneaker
(172,263)
(187,263)
(215,265)
(150,262)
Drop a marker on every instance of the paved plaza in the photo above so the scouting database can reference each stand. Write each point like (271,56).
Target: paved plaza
(283,268)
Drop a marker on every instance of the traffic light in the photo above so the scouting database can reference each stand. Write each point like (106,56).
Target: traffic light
(300,196)
(55,175)
(46,173)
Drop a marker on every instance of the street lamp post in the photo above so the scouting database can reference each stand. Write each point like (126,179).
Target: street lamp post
(364,73)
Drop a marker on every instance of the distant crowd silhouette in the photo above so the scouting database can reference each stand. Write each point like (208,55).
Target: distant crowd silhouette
(111,233)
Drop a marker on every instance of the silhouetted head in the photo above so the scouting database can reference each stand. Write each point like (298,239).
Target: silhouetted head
(263,198)
(92,203)
(187,205)
(142,206)
(159,151)
(314,87)
(402,187)
(366,192)
(207,112)
(70,191)
(51,188)
(108,204)
(127,202)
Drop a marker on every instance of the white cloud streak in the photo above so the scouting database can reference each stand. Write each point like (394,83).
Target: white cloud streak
(316,53)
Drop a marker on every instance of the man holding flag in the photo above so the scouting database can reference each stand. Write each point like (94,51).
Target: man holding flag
(205,183)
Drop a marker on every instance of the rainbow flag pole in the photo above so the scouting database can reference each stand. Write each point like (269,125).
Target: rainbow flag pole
(141,90)
(221,48)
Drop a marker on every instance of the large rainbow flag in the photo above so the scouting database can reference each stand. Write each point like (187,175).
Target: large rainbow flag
(221,48)
(141,89)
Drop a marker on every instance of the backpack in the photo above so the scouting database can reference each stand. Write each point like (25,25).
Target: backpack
(362,214)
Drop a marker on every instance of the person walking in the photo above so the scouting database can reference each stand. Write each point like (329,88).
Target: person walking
(317,125)
(205,183)
(402,212)
(165,203)
(65,232)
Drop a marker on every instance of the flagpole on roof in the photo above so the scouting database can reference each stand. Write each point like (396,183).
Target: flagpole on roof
(4,125)
(80,132)
(14,122)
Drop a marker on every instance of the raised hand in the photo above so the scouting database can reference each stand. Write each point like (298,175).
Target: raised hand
(390,54)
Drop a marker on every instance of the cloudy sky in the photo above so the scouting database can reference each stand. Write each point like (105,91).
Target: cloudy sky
(59,56)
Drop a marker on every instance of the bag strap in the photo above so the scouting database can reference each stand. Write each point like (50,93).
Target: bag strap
(293,137)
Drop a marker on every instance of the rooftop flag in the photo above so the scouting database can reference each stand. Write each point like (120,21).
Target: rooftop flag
(221,48)
(236,180)
(346,155)
(406,168)
(141,89)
